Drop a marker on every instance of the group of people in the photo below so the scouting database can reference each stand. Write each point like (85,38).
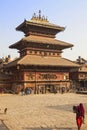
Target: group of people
(80,114)
(26,91)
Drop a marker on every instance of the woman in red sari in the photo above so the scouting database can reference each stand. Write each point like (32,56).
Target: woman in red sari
(80,112)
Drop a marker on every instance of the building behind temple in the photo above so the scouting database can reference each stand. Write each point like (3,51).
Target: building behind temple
(79,76)
(40,65)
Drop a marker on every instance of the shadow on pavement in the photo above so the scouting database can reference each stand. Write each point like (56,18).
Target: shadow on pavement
(67,107)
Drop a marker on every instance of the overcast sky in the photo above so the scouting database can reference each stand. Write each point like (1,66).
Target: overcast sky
(71,14)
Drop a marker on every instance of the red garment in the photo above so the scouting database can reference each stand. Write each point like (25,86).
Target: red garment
(82,109)
(80,114)
(79,121)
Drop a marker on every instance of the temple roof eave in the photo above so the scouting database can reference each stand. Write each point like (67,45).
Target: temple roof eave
(42,61)
(41,40)
(82,69)
(39,24)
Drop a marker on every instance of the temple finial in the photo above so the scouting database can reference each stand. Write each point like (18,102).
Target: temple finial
(39,17)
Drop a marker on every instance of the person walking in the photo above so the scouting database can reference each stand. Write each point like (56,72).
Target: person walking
(80,114)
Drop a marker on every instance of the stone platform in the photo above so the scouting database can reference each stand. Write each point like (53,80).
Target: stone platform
(81,92)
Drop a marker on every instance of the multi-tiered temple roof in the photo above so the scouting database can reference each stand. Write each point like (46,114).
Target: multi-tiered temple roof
(40,38)
(40,31)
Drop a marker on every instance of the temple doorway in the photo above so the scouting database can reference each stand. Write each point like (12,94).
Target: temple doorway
(50,88)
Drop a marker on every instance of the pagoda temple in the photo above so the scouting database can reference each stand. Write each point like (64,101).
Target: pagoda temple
(40,66)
